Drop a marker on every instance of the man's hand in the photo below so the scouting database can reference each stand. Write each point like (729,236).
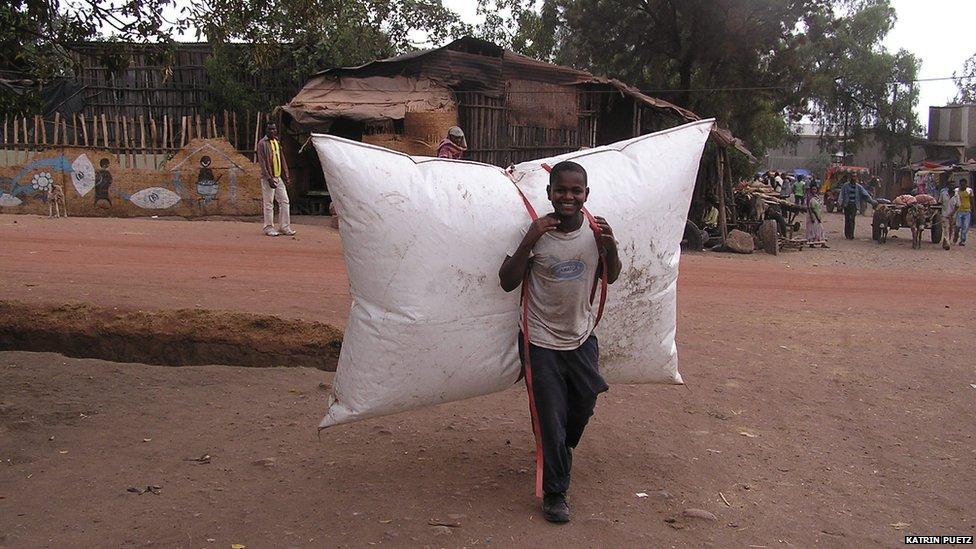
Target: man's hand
(606,234)
(513,269)
(538,228)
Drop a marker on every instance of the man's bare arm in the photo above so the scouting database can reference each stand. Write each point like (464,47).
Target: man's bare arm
(514,267)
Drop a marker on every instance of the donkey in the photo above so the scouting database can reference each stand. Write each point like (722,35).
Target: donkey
(55,196)
(915,217)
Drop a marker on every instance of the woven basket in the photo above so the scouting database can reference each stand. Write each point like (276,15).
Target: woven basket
(429,127)
(399,143)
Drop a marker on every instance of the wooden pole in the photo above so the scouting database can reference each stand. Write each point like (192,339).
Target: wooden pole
(199,132)
(57,127)
(152,139)
(165,134)
(183,126)
(64,131)
(257,129)
(125,140)
(84,128)
(142,137)
(26,133)
(247,129)
(722,222)
(213,124)
(226,126)
(236,139)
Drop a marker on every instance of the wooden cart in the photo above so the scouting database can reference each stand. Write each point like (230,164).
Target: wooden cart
(890,217)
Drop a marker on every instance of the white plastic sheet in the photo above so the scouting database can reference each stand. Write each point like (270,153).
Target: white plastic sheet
(423,239)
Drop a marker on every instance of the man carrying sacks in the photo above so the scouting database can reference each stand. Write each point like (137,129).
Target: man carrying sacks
(560,262)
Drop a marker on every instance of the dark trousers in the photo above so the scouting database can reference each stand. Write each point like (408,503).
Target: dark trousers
(565,385)
(850,215)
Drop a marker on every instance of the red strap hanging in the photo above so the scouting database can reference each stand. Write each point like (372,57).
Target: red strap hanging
(536,428)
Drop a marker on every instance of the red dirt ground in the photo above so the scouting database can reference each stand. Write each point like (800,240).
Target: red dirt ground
(828,402)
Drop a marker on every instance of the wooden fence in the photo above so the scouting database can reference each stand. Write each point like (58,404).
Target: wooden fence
(129,137)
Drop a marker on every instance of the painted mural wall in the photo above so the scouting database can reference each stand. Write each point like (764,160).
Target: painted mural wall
(206,177)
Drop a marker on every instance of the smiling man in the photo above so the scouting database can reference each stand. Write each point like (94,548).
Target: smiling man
(560,260)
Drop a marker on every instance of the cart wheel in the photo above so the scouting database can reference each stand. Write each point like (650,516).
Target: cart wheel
(693,236)
(769,235)
(937,231)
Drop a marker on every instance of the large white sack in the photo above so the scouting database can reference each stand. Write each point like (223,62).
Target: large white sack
(423,239)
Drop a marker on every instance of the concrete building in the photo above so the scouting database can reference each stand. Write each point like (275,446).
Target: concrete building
(807,153)
(952,133)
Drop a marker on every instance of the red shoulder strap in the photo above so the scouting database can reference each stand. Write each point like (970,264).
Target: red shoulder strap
(602,265)
(526,364)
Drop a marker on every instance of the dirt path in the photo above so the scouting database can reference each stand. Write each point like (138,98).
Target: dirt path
(828,403)
(166,264)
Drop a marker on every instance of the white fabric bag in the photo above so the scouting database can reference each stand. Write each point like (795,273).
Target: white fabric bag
(423,239)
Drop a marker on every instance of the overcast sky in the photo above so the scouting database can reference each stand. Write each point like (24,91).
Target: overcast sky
(940,33)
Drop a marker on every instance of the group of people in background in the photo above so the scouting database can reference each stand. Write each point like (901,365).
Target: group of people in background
(804,191)
(958,202)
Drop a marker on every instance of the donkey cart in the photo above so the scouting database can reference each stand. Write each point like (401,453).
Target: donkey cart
(917,217)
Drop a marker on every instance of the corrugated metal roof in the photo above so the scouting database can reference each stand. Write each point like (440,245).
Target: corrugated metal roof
(472,64)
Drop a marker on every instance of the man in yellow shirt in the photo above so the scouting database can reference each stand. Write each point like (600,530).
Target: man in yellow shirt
(963,202)
(274,176)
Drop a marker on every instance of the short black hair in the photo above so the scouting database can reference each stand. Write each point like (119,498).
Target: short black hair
(566,166)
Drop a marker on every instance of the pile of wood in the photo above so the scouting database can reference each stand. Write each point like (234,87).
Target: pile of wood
(765,193)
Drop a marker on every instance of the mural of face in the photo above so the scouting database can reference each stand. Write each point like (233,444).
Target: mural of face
(207,186)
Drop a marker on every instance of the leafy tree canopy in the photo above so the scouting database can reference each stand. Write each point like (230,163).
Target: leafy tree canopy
(38,36)
(966,82)
(756,65)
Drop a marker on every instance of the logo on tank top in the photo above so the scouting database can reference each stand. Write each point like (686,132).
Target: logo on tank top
(571,269)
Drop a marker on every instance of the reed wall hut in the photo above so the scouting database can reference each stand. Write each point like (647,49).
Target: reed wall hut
(511,107)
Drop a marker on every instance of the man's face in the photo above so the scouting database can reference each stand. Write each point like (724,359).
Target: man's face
(273,131)
(568,193)
(457,140)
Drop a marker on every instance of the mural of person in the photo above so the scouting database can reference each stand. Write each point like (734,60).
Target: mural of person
(103,180)
(207,185)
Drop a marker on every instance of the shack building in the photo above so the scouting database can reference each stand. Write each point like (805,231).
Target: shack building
(511,107)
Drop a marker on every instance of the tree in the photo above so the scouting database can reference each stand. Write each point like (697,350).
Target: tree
(37,38)
(858,85)
(966,82)
(756,65)
(300,37)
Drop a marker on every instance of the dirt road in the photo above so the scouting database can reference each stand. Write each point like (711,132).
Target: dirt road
(828,402)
